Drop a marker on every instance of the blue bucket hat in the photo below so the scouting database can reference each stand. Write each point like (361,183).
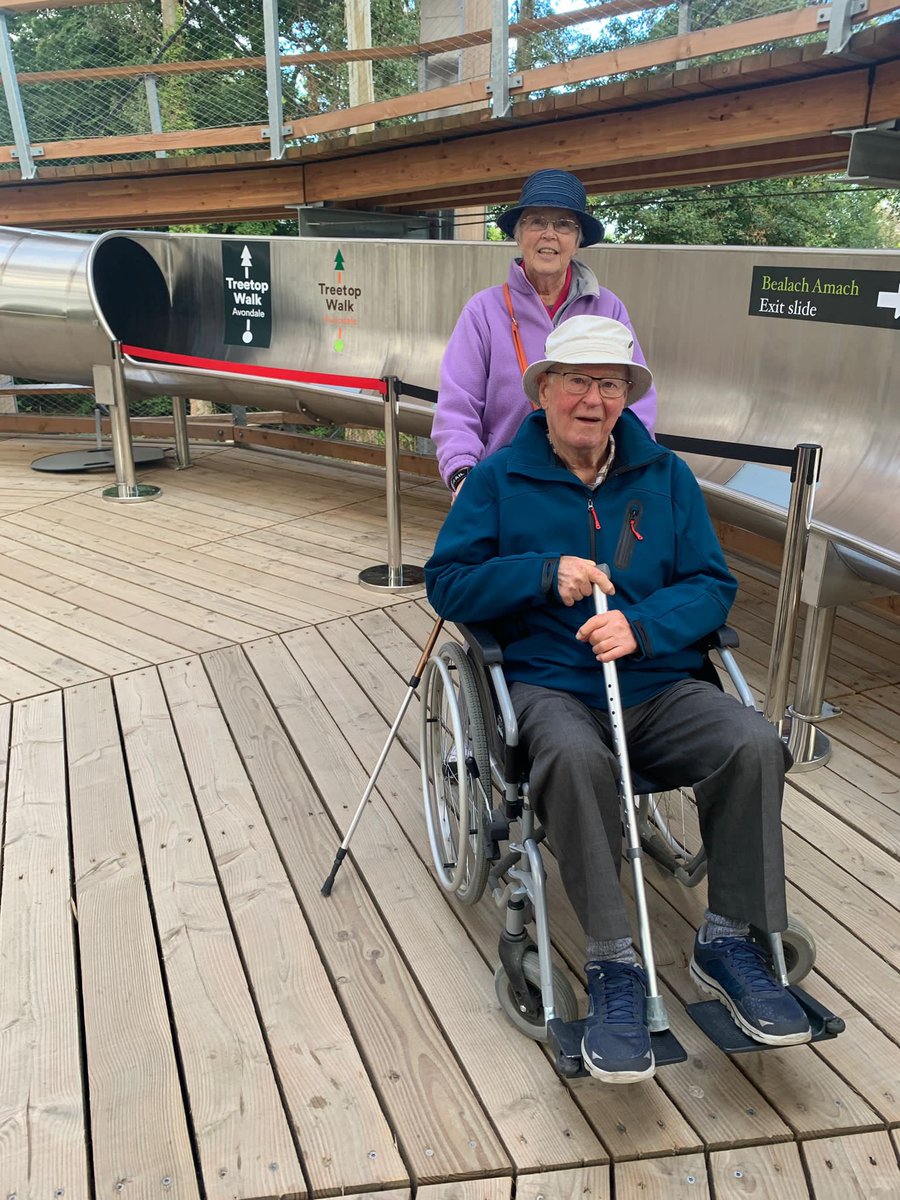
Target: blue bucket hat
(554,189)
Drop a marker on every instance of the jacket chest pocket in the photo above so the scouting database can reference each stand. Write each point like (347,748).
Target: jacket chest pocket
(630,534)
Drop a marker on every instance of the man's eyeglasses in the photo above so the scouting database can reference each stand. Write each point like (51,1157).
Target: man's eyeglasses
(576,384)
(538,222)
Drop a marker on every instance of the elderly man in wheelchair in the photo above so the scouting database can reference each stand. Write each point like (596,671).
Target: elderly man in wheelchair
(584,484)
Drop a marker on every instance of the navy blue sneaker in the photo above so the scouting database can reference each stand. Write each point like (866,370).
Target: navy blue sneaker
(616,1042)
(737,971)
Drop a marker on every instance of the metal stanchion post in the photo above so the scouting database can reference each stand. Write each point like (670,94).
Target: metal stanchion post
(179,422)
(809,746)
(804,475)
(394,575)
(110,389)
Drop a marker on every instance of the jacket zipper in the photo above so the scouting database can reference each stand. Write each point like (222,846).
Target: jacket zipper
(593,526)
(629,535)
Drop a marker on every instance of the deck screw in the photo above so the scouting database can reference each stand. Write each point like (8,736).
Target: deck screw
(373,1154)
(429,1153)
(472,1143)
(739,1174)
(167,1181)
(273,1166)
(692,1178)
(59,1193)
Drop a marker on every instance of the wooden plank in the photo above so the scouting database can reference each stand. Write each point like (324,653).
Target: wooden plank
(22,589)
(57,668)
(644,1119)
(345,1139)
(801,1088)
(508,1073)
(163,576)
(468,1189)
(663,1178)
(240,1129)
(862,1166)
(139,1129)
(64,579)
(863,1055)
(441,1128)
(586,1183)
(41,1098)
(758,1171)
(195,606)
(48,633)
(865,913)
(338,591)
(17,683)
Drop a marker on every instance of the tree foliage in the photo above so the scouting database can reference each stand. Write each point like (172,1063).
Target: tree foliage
(804,211)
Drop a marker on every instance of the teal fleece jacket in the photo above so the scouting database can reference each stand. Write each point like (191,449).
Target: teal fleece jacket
(496,558)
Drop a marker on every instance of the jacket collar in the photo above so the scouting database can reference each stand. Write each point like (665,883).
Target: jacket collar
(584,281)
(531,454)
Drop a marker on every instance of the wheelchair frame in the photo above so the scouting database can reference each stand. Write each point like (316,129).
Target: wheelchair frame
(473,723)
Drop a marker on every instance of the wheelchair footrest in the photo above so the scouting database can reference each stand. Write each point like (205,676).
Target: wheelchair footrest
(715,1020)
(565,1038)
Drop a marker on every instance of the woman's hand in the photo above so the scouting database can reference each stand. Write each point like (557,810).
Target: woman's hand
(575,579)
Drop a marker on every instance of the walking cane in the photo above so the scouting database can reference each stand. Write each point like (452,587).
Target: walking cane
(657,1019)
(414,680)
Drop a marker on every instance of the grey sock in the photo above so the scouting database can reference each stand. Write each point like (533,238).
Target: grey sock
(716,926)
(620,950)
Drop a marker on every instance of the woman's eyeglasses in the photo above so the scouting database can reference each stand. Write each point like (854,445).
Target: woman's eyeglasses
(575,384)
(538,222)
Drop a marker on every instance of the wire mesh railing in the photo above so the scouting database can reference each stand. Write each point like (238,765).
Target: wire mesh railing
(133,78)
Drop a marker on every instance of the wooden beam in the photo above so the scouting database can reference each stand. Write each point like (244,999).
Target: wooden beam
(749,162)
(630,149)
(779,112)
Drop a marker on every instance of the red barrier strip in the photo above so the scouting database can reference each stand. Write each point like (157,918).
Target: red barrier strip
(216,364)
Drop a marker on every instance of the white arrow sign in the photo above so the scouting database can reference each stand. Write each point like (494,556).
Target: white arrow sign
(890,300)
(246,261)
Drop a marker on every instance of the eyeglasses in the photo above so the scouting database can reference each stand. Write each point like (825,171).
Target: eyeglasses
(538,222)
(575,384)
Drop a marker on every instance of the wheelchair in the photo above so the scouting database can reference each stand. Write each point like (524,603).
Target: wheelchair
(476,797)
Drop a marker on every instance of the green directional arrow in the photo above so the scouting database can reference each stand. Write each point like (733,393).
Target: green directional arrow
(339,261)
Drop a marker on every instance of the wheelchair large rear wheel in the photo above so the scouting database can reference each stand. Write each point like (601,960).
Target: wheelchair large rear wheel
(564,1002)
(456,773)
(667,826)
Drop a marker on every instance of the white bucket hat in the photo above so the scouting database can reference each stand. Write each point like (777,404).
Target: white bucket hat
(583,340)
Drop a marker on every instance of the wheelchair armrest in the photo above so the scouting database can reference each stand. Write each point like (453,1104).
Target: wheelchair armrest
(483,646)
(723,638)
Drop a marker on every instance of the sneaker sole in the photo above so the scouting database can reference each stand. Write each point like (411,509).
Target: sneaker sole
(618,1076)
(712,988)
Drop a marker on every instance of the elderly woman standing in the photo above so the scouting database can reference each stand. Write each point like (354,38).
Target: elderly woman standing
(502,329)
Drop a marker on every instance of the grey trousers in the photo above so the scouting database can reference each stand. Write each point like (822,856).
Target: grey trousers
(690,735)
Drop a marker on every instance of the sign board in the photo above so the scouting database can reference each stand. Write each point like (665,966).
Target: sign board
(247,273)
(819,294)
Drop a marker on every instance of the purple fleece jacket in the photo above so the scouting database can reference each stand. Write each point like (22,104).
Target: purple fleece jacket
(481,403)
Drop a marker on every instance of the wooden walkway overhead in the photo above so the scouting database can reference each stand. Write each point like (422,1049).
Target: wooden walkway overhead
(772,112)
(192,695)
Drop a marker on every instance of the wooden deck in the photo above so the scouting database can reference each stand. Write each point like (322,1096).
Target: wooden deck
(192,695)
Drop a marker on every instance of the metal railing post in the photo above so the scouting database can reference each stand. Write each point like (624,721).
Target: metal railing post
(395,575)
(276,127)
(24,151)
(804,475)
(809,747)
(110,389)
(501,80)
(179,423)
(153,109)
